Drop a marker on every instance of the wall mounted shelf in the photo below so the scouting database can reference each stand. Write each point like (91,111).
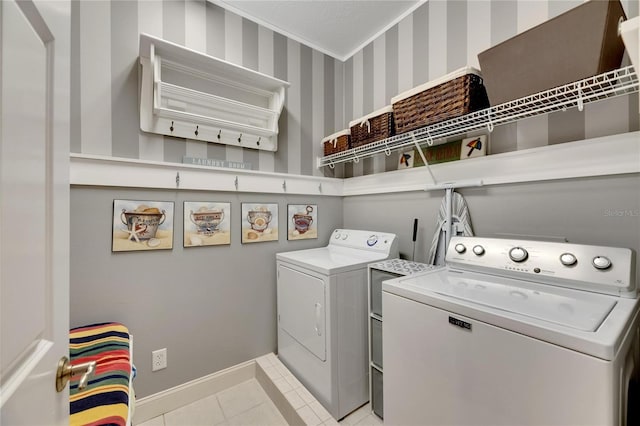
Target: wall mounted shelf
(608,85)
(603,156)
(187,94)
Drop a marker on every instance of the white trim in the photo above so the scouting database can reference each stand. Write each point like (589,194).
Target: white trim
(609,155)
(263,23)
(120,172)
(168,400)
(383,30)
(342,58)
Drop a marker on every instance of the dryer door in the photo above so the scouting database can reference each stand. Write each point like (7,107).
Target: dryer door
(301,309)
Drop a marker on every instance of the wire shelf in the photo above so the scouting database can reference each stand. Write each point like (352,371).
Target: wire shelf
(573,95)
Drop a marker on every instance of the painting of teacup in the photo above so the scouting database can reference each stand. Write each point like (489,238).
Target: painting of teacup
(302,223)
(142,225)
(206,223)
(259,222)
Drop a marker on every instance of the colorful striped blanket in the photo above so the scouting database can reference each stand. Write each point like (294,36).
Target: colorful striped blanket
(105,400)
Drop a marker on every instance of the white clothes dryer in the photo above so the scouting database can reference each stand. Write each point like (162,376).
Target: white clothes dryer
(514,332)
(322,315)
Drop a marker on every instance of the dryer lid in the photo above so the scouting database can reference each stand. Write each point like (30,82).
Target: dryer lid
(331,259)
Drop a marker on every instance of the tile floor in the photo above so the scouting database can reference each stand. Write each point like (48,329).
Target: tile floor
(246,404)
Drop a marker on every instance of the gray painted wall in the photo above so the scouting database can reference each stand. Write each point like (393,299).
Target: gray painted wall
(599,211)
(211,307)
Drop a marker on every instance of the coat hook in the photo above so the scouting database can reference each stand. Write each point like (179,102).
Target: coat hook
(177,179)
(171,128)
(284,186)
(196,132)
(320,187)
(259,138)
(219,134)
(236,183)
(240,138)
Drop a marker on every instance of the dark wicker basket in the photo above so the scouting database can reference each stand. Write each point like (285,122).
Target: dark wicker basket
(333,145)
(378,128)
(450,99)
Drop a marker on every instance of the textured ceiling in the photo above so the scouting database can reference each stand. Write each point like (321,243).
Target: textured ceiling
(337,28)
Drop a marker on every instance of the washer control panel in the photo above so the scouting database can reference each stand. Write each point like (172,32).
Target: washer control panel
(365,240)
(608,270)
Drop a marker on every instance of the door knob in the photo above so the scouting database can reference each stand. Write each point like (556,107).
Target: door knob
(66,371)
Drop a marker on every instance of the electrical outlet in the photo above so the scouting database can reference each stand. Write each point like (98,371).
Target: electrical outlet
(159,359)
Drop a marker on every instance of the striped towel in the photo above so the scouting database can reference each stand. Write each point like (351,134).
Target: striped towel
(105,400)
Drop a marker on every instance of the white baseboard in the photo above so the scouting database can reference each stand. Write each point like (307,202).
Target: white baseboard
(168,400)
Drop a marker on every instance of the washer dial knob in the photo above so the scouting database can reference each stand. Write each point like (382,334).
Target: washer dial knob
(518,254)
(372,240)
(345,236)
(601,262)
(568,259)
(478,250)
(460,248)
(337,236)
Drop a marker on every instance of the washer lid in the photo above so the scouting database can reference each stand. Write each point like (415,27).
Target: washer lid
(591,323)
(579,310)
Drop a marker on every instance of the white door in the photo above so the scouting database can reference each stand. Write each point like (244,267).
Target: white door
(301,309)
(34,210)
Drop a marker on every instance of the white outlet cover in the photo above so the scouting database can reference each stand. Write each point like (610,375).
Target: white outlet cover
(159,359)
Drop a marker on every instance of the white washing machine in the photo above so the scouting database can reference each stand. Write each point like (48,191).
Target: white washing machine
(322,315)
(514,332)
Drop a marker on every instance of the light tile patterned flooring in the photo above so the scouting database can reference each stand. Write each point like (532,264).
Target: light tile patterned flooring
(246,404)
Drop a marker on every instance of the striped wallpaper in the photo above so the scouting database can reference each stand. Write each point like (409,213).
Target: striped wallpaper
(104,94)
(325,93)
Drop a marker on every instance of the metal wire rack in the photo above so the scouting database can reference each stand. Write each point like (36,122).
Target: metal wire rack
(573,95)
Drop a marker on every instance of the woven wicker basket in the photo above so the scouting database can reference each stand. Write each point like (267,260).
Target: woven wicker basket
(373,127)
(337,142)
(453,95)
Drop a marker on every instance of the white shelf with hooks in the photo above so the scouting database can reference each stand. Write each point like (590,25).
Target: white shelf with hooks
(187,94)
(574,95)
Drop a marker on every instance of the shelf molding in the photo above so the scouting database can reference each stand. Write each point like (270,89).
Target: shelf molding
(603,156)
(609,155)
(94,170)
(615,83)
(191,95)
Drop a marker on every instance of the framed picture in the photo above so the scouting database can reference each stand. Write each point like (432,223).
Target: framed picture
(259,222)
(302,221)
(142,225)
(206,223)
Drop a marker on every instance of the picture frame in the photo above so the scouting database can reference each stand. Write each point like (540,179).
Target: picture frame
(259,222)
(302,222)
(206,223)
(140,225)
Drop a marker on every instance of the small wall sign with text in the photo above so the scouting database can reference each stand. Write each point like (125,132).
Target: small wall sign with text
(213,162)
(453,151)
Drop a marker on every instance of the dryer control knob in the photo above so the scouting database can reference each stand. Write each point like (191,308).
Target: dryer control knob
(478,250)
(568,259)
(337,235)
(460,248)
(345,236)
(518,254)
(372,240)
(601,262)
